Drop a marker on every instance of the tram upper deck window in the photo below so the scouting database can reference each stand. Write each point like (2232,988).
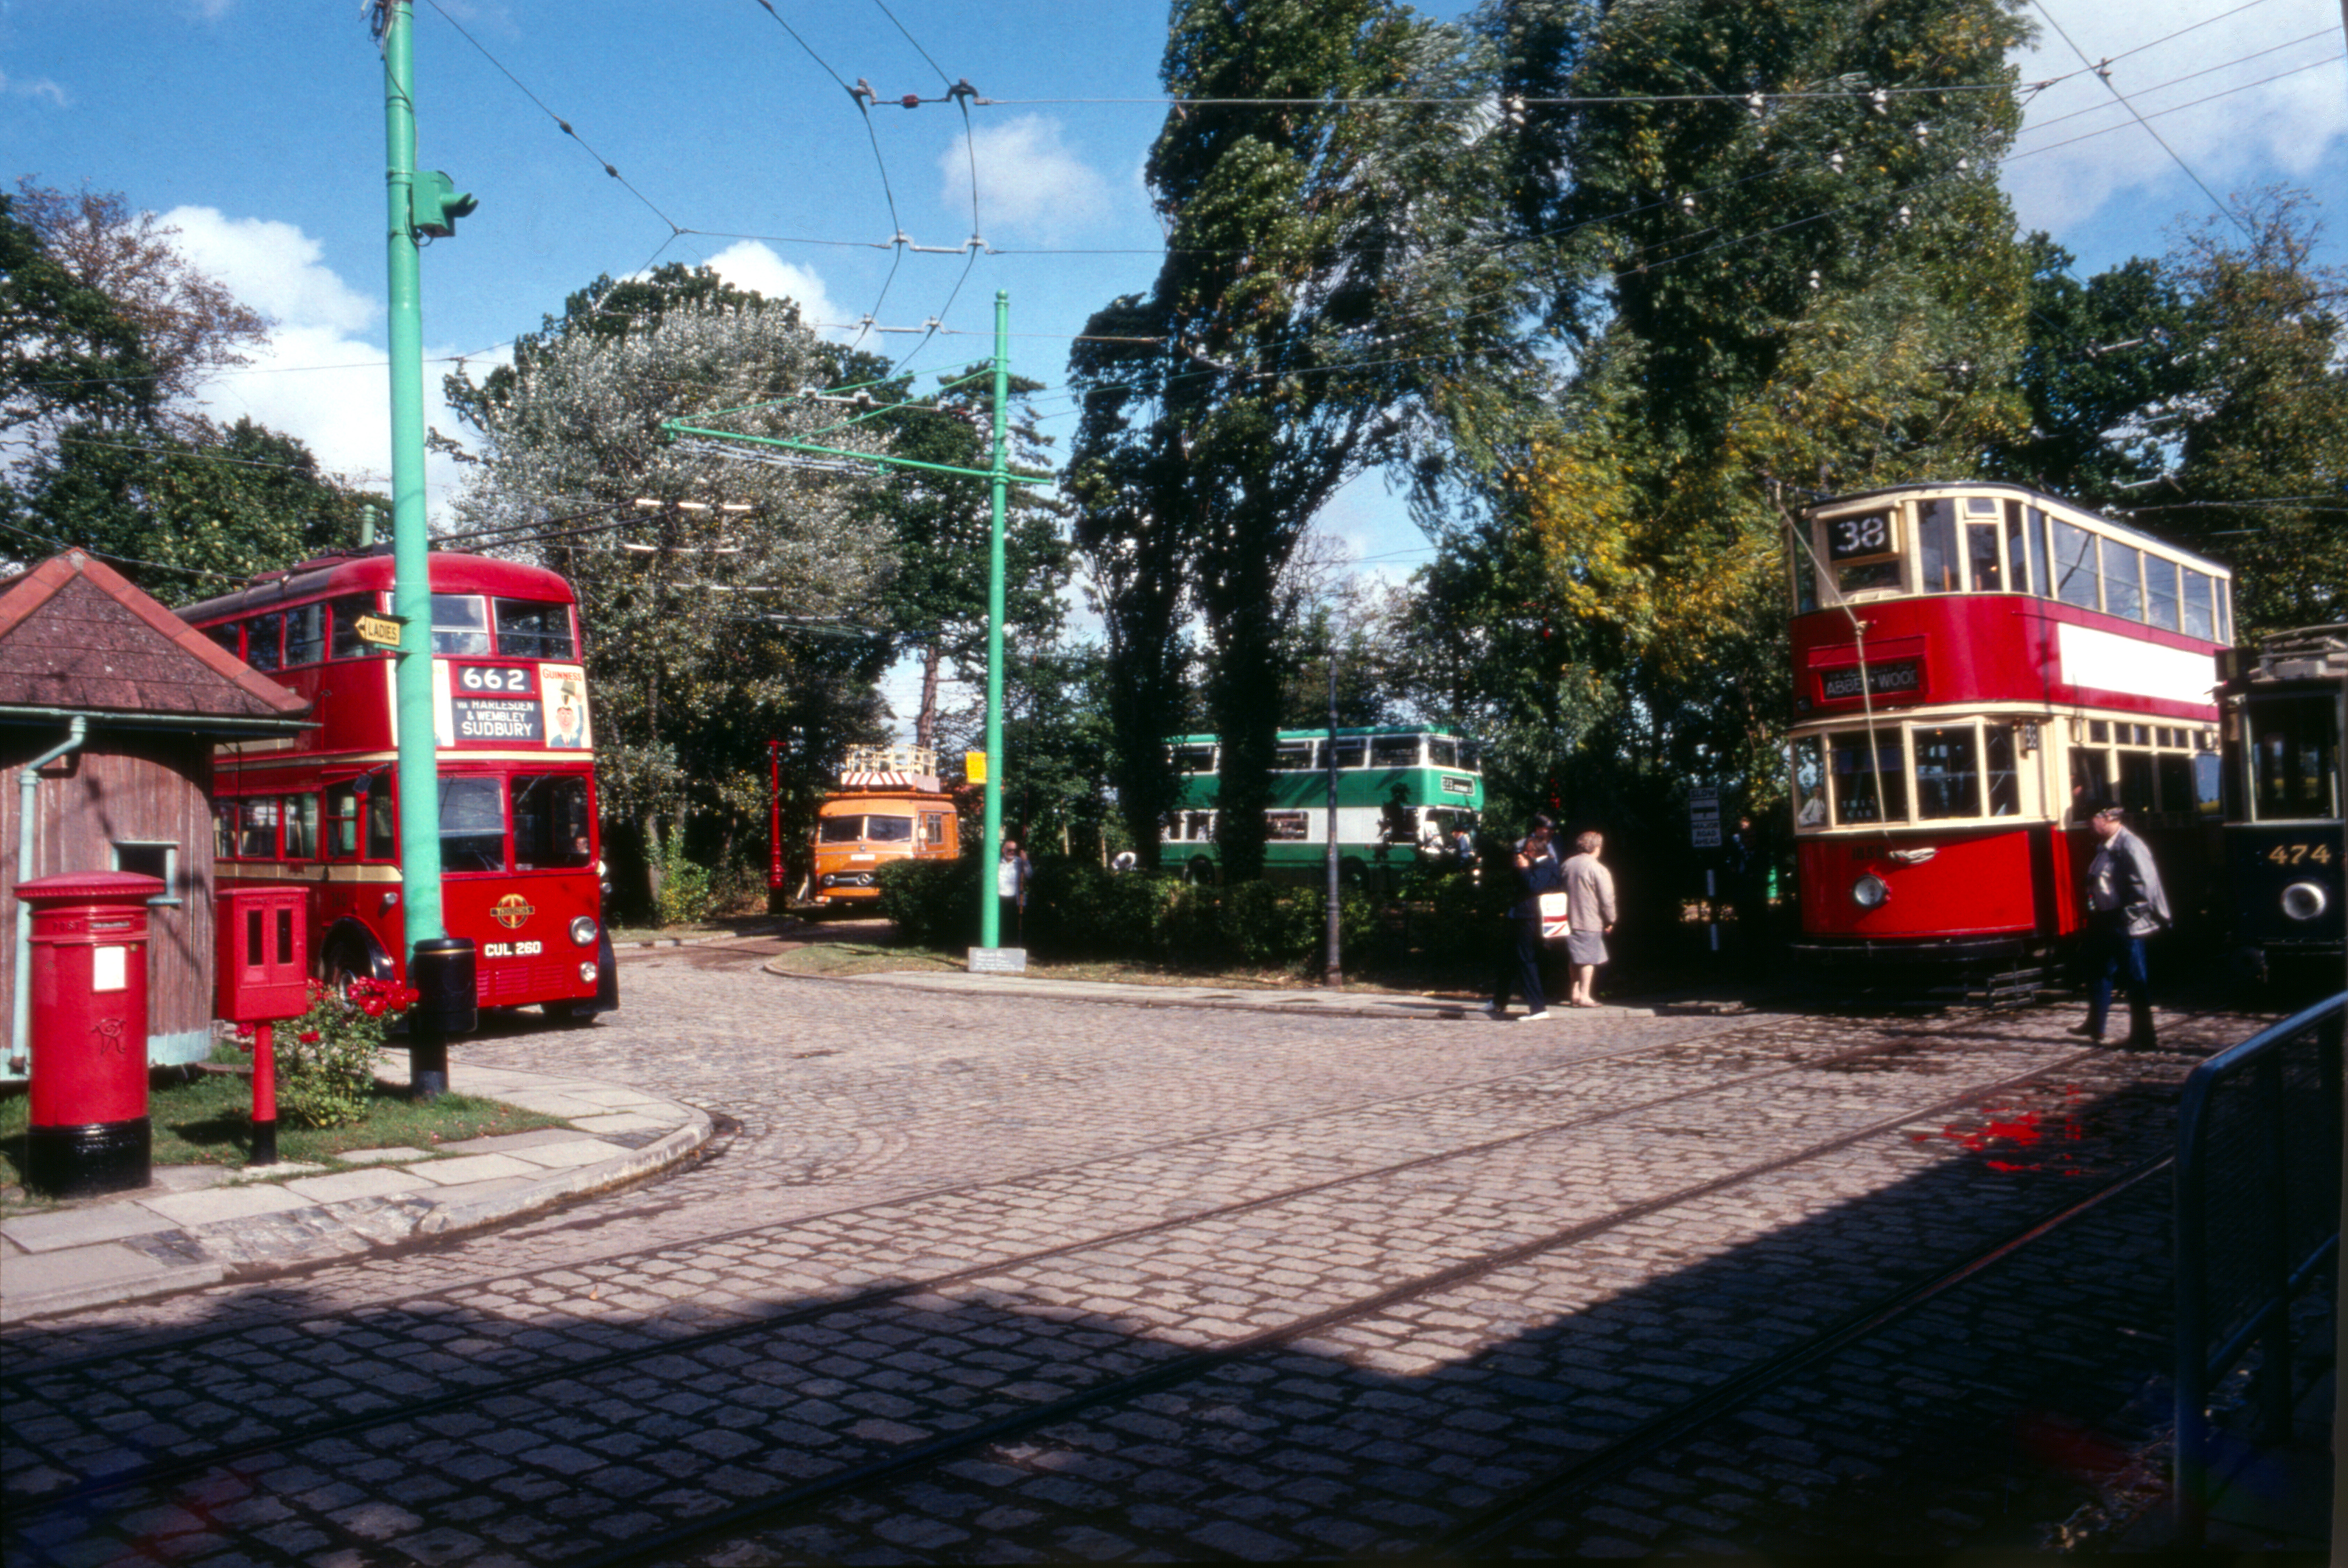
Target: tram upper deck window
(1394,751)
(2201,614)
(1805,583)
(2026,547)
(1294,757)
(2295,757)
(1936,529)
(461,623)
(1855,796)
(2123,580)
(2160,593)
(1864,551)
(532,629)
(1981,553)
(2075,570)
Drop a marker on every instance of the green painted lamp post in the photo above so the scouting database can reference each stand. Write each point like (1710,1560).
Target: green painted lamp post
(417,204)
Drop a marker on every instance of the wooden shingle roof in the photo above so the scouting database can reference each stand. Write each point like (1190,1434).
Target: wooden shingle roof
(76,634)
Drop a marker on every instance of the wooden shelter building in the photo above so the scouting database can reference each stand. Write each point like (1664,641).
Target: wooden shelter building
(109,706)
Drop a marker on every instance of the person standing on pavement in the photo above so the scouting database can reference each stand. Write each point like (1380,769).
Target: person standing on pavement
(1590,915)
(1536,872)
(1011,886)
(2126,905)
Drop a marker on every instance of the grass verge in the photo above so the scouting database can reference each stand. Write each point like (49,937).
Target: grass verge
(208,1121)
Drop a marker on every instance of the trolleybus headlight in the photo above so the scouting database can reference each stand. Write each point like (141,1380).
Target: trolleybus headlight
(1870,891)
(587,973)
(582,931)
(2304,900)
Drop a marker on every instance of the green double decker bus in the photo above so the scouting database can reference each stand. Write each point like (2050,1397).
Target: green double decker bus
(1401,793)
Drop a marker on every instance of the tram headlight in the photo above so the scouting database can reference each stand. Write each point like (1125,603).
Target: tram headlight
(2305,900)
(582,931)
(1870,891)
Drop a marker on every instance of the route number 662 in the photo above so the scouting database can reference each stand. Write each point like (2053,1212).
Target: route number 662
(485,678)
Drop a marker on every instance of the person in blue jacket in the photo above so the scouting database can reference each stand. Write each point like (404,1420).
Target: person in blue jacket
(1537,871)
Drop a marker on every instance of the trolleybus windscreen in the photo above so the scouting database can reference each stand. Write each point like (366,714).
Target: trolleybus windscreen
(532,629)
(472,824)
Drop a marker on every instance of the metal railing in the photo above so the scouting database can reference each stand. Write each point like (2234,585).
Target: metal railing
(2257,1218)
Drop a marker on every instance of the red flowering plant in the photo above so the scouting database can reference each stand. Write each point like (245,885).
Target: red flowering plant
(326,1058)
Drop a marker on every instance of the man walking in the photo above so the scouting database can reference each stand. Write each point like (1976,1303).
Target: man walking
(2125,906)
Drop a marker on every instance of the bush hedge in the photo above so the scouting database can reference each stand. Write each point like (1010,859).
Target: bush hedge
(1077,910)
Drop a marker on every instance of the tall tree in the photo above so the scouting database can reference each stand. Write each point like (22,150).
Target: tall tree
(67,351)
(728,599)
(189,323)
(1331,270)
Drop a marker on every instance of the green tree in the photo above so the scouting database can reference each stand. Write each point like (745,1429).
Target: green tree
(1333,272)
(727,602)
(66,353)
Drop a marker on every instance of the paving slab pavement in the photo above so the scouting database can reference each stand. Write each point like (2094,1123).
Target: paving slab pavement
(198,1225)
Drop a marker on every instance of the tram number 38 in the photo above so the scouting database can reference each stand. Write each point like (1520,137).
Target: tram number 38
(2294,853)
(511,950)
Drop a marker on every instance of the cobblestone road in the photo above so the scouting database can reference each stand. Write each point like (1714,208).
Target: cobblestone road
(980,1280)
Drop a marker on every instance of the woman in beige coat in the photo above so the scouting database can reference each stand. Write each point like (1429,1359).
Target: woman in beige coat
(1590,915)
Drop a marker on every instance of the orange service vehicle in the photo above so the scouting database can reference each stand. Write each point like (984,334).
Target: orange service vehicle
(889,806)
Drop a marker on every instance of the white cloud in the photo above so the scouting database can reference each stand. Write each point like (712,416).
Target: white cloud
(750,264)
(36,87)
(2288,129)
(1029,180)
(317,378)
(274,267)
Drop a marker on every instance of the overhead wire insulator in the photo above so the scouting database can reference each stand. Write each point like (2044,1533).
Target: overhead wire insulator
(1834,161)
(1754,103)
(1879,101)
(1514,112)
(1814,280)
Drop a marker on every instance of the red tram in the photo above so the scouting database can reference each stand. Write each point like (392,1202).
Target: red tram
(519,845)
(1976,668)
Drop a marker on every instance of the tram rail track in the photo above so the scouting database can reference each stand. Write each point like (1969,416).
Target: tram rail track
(157,1473)
(120,1485)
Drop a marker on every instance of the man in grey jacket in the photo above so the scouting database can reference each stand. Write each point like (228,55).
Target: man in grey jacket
(2125,906)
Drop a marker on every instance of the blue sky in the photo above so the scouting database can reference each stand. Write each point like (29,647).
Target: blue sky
(256,128)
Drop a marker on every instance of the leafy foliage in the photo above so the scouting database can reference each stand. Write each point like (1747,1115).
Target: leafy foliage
(727,602)
(325,1059)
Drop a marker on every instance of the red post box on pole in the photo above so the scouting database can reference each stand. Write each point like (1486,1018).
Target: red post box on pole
(264,963)
(89,1131)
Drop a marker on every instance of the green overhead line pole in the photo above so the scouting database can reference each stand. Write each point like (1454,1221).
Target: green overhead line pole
(990,906)
(414,204)
(1000,479)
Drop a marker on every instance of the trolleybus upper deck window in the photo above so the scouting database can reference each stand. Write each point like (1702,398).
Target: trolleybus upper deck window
(230,635)
(461,623)
(1394,751)
(1442,751)
(346,612)
(305,635)
(1352,752)
(1194,759)
(1471,756)
(263,638)
(1294,757)
(533,629)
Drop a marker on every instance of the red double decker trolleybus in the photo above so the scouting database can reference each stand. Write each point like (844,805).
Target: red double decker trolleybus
(1976,668)
(515,745)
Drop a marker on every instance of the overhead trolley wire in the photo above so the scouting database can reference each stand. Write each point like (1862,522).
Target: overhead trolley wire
(563,124)
(2231,215)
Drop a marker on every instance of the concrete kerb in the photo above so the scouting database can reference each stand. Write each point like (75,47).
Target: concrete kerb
(134,1252)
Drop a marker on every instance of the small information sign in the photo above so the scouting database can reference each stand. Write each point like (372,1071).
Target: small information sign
(1703,817)
(375,629)
(973,769)
(998,960)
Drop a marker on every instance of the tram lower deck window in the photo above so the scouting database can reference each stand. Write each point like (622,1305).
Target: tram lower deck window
(1855,778)
(1948,772)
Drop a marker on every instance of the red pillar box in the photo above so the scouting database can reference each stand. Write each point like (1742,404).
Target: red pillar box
(264,963)
(89,1131)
